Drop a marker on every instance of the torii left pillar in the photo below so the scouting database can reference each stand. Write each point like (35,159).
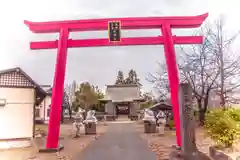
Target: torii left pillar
(52,144)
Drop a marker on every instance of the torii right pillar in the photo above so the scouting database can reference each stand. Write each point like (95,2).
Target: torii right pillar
(172,65)
(173,77)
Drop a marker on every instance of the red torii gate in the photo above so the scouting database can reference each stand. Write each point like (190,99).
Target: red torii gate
(64,27)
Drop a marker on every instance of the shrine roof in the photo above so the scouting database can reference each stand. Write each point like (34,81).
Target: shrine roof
(122,85)
(122,93)
(162,105)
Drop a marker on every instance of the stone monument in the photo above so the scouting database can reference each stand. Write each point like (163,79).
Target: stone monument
(90,122)
(189,149)
(161,122)
(187,120)
(78,122)
(149,120)
(149,116)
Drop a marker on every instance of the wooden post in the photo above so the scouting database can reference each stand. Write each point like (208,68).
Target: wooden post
(187,122)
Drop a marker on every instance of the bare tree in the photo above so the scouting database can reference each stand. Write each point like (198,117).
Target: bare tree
(160,81)
(206,67)
(197,67)
(227,62)
(200,70)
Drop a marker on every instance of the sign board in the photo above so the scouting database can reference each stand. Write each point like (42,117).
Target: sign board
(114,31)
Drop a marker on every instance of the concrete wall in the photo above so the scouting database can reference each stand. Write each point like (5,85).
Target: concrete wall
(110,108)
(48,100)
(134,107)
(44,107)
(16,117)
(41,108)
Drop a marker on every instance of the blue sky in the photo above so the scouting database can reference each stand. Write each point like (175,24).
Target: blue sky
(96,65)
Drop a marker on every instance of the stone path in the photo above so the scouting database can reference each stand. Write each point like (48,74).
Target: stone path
(120,142)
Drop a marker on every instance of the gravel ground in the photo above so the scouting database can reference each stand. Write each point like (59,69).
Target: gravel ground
(121,142)
(72,146)
(162,144)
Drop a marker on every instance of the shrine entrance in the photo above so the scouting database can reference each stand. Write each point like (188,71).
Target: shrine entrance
(114,25)
(122,109)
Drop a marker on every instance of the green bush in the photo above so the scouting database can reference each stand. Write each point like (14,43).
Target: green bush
(235,114)
(171,124)
(223,126)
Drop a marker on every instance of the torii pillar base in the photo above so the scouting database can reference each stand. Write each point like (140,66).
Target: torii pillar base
(41,146)
(51,150)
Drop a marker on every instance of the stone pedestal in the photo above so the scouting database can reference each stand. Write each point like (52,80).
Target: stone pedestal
(161,129)
(133,117)
(161,125)
(150,127)
(110,117)
(90,128)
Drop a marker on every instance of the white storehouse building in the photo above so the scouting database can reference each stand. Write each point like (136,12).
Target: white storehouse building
(19,95)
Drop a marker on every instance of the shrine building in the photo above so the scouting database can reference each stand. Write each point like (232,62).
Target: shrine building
(122,99)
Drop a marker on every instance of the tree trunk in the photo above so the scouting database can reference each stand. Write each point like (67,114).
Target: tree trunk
(205,103)
(201,113)
(203,109)
(220,45)
(70,111)
(201,117)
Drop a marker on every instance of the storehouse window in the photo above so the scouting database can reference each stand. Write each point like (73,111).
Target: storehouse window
(37,112)
(48,111)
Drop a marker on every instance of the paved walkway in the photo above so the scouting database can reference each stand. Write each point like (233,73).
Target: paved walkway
(120,142)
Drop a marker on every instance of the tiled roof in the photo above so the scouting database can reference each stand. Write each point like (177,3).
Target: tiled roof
(18,69)
(163,105)
(122,93)
(39,89)
(122,85)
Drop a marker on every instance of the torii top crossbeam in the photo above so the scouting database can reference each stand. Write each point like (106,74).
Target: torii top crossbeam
(126,23)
